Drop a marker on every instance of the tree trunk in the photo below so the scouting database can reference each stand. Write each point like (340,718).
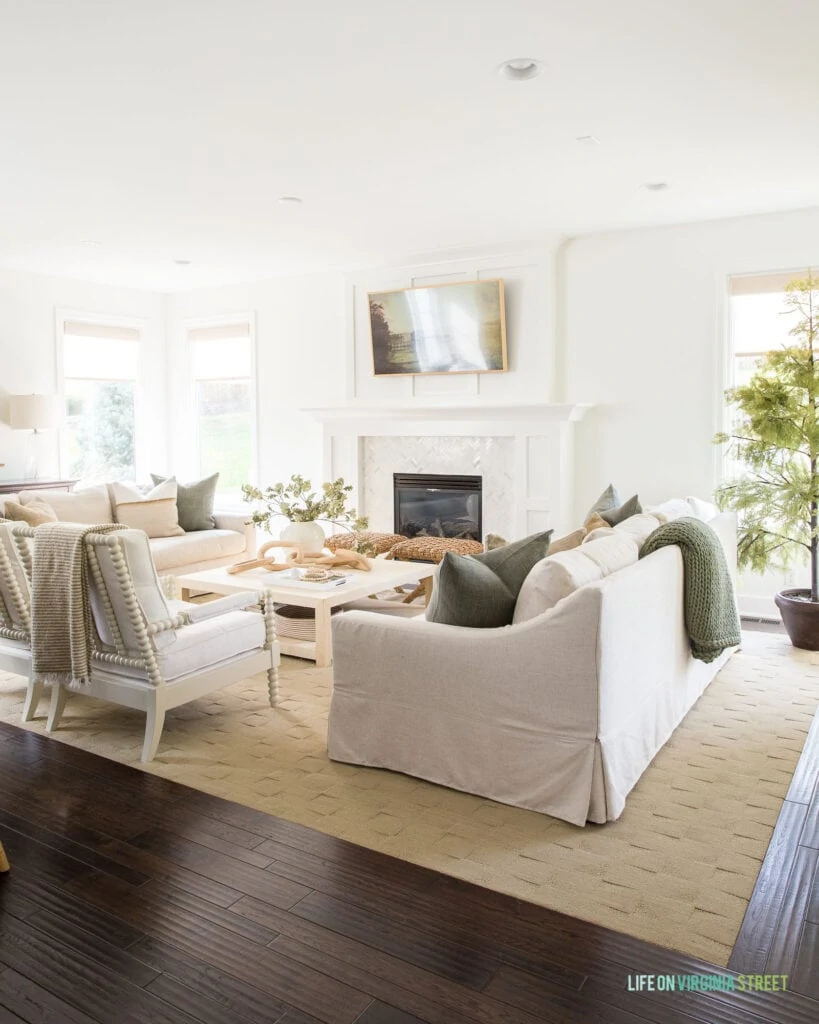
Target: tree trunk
(814,554)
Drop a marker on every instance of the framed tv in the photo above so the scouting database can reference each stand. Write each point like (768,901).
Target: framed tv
(442,328)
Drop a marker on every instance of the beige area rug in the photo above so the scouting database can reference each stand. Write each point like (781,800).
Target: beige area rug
(677,868)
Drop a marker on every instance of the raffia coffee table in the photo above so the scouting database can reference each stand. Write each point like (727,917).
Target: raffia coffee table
(384,575)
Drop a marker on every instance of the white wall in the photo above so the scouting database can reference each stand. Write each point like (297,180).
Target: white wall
(528,274)
(28,355)
(644,333)
(300,356)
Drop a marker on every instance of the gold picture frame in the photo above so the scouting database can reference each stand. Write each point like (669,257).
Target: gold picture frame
(455,327)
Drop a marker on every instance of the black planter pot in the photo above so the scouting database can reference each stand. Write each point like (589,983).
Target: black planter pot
(800,618)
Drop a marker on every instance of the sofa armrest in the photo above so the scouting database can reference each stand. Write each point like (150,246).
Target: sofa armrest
(239,522)
(545,668)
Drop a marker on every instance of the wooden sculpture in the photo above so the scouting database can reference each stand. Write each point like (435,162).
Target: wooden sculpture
(341,559)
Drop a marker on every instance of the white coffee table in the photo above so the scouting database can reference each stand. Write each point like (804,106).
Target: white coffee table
(384,575)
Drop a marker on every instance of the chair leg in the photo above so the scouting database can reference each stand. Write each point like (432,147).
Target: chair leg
(154,723)
(273,682)
(33,696)
(59,695)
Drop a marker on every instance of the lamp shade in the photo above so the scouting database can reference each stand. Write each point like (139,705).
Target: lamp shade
(34,412)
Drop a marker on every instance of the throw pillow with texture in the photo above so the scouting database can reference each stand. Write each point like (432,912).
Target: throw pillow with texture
(610,498)
(155,512)
(571,540)
(35,514)
(194,502)
(629,508)
(481,590)
(595,522)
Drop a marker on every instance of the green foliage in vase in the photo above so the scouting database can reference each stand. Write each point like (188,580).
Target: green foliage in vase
(297,501)
(777,438)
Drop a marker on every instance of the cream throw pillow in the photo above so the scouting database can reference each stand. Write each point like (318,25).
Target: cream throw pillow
(155,512)
(558,576)
(35,514)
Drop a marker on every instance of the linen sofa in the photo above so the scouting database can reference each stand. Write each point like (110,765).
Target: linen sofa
(231,541)
(559,714)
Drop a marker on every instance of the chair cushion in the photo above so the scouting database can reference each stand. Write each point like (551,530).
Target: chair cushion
(204,645)
(199,546)
(194,502)
(90,505)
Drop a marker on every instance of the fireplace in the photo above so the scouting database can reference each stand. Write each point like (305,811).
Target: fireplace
(437,505)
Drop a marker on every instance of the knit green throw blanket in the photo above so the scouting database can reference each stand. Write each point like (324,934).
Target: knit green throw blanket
(711,617)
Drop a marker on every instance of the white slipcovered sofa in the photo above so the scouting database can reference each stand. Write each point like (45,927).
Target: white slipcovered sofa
(231,541)
(559,714)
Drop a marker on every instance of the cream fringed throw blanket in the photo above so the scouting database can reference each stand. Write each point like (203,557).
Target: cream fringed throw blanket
(60,615)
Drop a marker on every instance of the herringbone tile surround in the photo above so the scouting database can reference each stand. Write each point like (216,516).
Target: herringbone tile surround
(678,867)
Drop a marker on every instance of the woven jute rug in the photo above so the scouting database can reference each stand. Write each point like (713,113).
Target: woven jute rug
(677,868)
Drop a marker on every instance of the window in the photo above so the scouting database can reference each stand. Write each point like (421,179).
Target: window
(100,369)
(760,321)
(224,405)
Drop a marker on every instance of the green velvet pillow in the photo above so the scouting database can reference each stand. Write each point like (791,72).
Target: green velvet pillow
(481,590)
(194,502)
(629,508)
(609,499)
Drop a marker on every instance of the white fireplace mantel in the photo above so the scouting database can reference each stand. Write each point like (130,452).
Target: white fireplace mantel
(541,463)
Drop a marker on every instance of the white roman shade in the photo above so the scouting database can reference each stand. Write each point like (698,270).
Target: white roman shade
(109,332)
(764,284)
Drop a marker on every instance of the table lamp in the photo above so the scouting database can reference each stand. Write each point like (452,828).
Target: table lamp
(35,413)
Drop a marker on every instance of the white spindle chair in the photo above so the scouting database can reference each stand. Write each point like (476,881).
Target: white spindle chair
(152,657)
(15,611)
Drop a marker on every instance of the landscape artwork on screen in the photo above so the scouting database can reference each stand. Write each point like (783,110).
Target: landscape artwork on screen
(449,328)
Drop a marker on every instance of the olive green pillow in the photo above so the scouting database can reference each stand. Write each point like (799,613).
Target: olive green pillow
(481,590)
(194,502)
(629,508)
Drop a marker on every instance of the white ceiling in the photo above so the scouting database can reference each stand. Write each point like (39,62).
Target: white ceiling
(166,129)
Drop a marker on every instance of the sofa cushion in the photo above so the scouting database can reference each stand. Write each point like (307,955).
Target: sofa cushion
(558,576)
(199,546)
(154,512)
(194,502)
(34,514)
(90,505)
(481,590)
(629,508)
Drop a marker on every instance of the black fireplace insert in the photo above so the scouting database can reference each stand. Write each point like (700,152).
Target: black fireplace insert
(437,505)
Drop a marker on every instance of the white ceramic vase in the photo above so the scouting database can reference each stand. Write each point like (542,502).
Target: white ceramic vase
(308,536)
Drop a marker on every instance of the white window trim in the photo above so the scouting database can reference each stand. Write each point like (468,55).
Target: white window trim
(63,315)
(225,320)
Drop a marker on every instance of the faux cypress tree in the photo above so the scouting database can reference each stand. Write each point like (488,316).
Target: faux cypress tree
(777,438)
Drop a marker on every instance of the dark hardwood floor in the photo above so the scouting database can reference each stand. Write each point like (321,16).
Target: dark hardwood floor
(135,899)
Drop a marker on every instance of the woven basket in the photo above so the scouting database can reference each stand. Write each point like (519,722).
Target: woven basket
(381,542)
(433,549)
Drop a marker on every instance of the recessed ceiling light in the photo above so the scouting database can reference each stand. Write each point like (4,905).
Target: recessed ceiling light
(182,263)
(588,140)
(656,186)
(89,241)
(289,200)
(520,69)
